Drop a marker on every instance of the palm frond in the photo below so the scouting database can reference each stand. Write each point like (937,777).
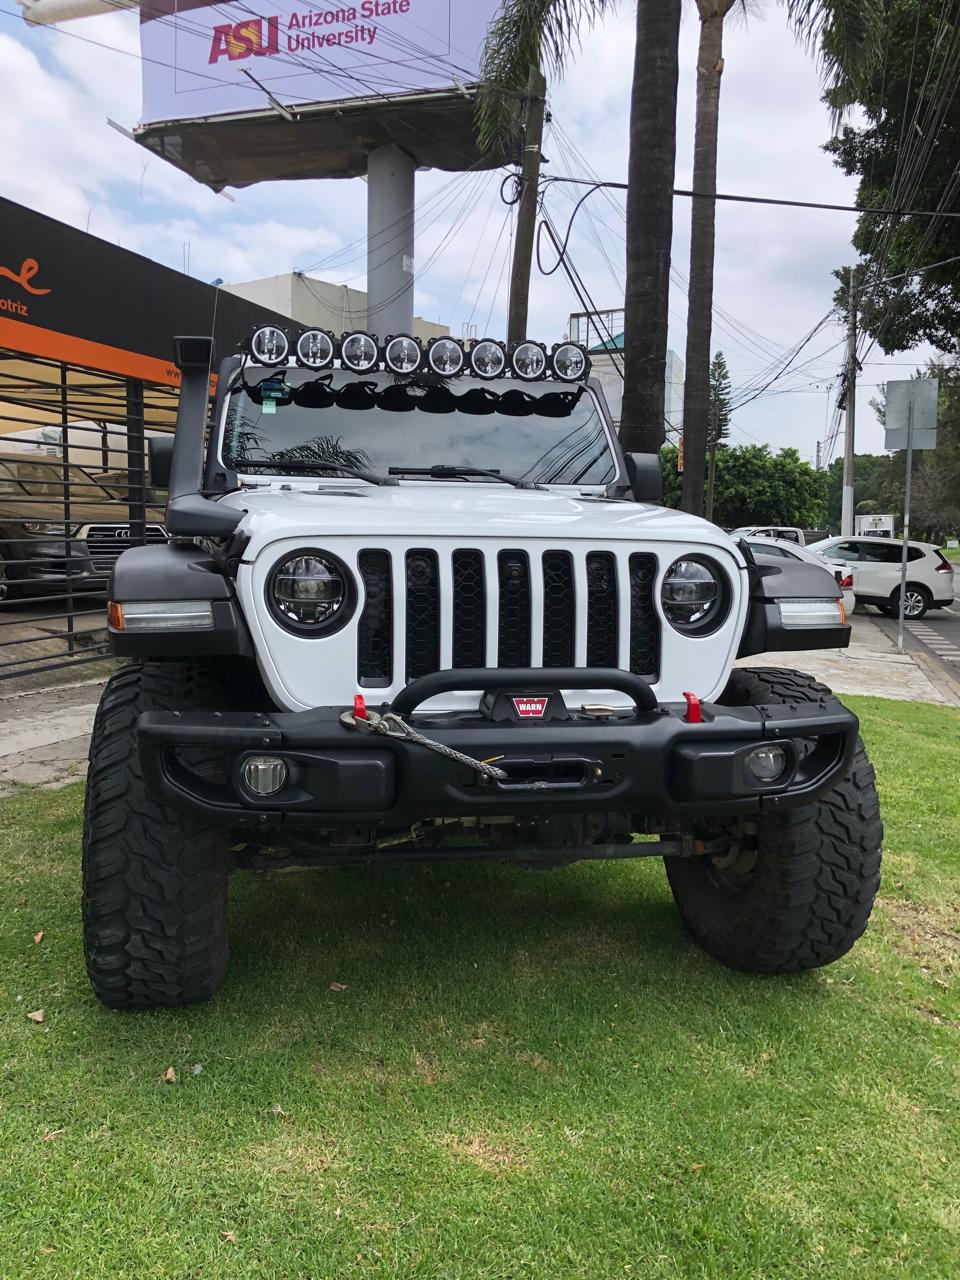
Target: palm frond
(526,33)
(847,37)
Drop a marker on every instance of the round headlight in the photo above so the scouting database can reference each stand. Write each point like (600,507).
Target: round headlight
(445,355)
(488,358)
(529,360)
(694,595)
(569,361)
(402,354)
(358,352)
(315,349)
(311,593)
(269,345)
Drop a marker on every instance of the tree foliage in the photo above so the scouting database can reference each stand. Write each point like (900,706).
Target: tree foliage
(755,486)
(721,398)
(906,153)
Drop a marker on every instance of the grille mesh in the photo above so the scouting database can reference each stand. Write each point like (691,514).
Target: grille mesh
(559,618)
(469,609)
(375,630)
(423,613)
(602,636)
(644,624)
(514,628)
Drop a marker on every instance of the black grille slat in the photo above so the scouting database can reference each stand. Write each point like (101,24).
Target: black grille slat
(602,613)
(375,630)
(469,609)
(423,613)
(644,623)
(513,634)
(559,613)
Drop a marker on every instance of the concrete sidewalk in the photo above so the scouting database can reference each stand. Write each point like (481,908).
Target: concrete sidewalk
(44,736)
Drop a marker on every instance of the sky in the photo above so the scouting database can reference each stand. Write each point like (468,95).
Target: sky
(774,266)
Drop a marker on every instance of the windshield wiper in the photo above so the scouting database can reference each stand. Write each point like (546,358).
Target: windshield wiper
(444,471)
(281,467)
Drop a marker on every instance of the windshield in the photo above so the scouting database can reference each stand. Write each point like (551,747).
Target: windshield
(377,422)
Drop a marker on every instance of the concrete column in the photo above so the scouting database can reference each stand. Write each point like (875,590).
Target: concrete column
(390,240)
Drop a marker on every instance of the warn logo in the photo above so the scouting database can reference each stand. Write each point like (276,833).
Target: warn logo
(253,38)
(530,708)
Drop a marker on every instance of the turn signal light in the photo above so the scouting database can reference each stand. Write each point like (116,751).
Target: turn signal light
(115,616)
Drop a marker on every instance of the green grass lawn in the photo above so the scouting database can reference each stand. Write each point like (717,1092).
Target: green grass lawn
(527,1075)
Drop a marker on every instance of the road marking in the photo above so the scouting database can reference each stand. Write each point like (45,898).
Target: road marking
(942,647)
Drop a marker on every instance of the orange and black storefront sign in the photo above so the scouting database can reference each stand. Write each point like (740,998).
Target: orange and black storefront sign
(74,298)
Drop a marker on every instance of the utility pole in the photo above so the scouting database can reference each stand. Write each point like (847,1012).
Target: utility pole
(527,208)
(711,466)
(819,456)
(850,403)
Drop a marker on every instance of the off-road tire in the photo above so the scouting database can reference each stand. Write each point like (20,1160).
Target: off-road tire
(808,896)
(154,882)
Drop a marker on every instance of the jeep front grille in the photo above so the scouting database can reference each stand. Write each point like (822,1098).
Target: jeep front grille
(425,611)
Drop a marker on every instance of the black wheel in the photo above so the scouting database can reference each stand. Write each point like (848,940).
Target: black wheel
(796,889)
(917,601)
(154,882)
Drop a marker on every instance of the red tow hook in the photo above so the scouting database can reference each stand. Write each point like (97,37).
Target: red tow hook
(359,707)
(694,711)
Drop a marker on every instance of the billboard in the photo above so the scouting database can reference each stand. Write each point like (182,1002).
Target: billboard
(202,59)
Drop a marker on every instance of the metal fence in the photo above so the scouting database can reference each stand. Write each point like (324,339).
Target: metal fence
(74,493)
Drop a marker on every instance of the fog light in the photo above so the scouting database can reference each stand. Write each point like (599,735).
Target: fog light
(767,763)
(264,775)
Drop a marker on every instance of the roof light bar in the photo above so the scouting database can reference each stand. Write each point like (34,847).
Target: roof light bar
(488,358)
(358,352)
(269,345)
(445,356)
(315,349)
(529,360)
(403,354)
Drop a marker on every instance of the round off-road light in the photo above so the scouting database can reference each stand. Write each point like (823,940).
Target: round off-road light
(488,358)
(358,352)
(269,345)
(529,360)
(402,354)
(767,763)
(315,349)
(263,775)
(445,356)
(569,362)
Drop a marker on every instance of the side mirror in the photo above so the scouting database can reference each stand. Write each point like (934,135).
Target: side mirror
(159,461)
(644,476)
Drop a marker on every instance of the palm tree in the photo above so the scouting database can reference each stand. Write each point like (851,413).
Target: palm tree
(847,34)
(532,32)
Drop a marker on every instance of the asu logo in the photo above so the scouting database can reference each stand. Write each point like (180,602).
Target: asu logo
(245,39)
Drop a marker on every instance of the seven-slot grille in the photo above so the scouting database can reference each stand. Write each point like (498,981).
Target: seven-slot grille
(425,611)
(106,541)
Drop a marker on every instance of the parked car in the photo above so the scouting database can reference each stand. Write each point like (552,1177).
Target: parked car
(413,635)
(841,571)
(875,565)
(782,532)
(48,547)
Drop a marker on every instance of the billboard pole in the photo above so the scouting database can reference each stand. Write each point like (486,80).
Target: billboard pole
(390,240)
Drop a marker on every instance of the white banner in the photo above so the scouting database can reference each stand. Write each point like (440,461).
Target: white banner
(195,53)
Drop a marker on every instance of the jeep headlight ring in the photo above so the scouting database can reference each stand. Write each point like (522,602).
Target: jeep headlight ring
(311,592)
(695,595)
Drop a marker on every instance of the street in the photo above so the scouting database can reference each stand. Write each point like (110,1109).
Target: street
(935,636)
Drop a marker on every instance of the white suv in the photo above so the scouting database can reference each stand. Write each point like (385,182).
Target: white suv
(875,564)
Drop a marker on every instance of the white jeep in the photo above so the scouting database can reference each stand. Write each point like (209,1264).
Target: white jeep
(419,605)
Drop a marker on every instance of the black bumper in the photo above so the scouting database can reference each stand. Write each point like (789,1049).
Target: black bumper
(649,761)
